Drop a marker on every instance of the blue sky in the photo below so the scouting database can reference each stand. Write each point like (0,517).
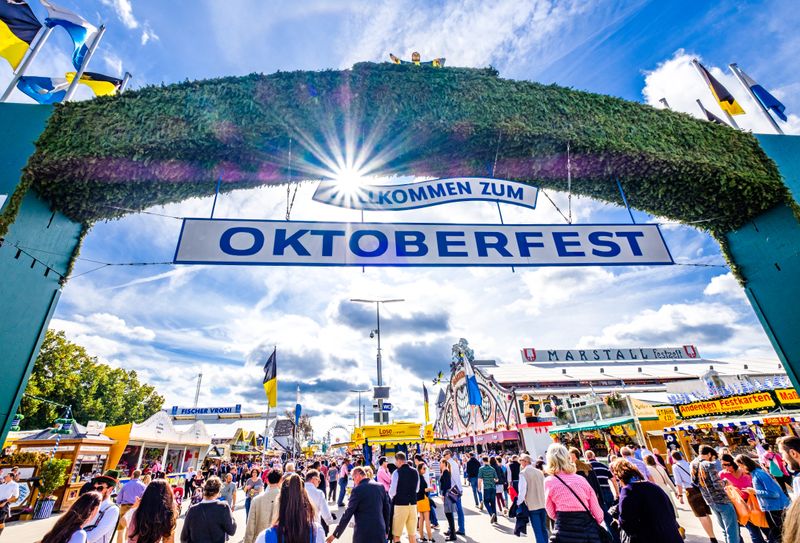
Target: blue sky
(168,323)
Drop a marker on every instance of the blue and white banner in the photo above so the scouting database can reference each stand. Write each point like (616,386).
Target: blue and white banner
(425,193)
(303,243)
(228,410)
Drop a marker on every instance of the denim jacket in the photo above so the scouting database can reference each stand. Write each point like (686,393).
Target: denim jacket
(769,495)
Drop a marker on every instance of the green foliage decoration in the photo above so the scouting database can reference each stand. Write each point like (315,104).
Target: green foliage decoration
(165,144)
(65,373)
(53,474)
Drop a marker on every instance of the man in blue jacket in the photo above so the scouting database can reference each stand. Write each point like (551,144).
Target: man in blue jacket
(369,505)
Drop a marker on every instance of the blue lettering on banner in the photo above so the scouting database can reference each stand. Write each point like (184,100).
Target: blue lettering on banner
(426,193)
(284,243)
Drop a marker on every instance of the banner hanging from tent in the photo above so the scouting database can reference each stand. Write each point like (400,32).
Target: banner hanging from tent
(304,243)
(425,193)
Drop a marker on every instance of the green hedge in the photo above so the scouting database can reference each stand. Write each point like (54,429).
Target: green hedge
(165,144)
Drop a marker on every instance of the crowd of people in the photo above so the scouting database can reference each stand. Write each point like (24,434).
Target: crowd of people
(565,496)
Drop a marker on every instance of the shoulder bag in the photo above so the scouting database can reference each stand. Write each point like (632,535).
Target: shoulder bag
(602,533)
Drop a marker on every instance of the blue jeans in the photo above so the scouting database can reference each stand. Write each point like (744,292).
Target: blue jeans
(488,501)
(342,491)
(473,483)
(726,515)
(247,507)
(539,525)
(755,533)
(434,518)
(460,513)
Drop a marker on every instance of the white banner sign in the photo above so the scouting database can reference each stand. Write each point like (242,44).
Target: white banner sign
(177,410)
(603,355)
(425,193)
(301,243)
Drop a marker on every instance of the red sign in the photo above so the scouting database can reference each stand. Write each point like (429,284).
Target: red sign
(777,421)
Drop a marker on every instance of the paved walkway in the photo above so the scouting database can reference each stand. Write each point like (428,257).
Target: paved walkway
(478,528)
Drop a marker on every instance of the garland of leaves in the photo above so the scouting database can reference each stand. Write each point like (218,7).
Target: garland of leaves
(164,144)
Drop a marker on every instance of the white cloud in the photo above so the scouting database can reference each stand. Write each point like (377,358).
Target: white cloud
(148,35)
(677,80)
(113,62)
(725,286)
(124,10)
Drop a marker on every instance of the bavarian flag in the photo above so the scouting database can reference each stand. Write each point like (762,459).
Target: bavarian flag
(725,99)
(79,29)
(45,90)
(18,27)
(102,85)
(271,379)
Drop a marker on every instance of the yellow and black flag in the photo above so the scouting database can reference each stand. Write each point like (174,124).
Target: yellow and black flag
(101,85)
(725,99)
(425,398)
(18,28)
(271,379)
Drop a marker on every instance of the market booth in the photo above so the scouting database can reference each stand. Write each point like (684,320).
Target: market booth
(86,447)
(157,443)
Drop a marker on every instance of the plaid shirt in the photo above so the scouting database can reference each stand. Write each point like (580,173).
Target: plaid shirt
(706,476)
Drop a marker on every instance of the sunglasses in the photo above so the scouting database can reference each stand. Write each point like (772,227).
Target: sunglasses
(100,487)
(727,465)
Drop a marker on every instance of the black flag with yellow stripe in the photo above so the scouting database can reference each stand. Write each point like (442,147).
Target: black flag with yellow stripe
(725,99)
(101,85)
(271,378)
(18,28)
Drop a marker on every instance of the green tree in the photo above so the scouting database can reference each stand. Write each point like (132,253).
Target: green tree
(65,373)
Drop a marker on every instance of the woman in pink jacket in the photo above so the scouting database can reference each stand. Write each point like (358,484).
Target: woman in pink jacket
(383,475)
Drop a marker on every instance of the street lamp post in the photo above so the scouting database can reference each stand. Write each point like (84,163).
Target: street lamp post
(378,329)
(359,392)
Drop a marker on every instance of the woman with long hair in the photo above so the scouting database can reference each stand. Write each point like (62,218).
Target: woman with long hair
(495,462)
(295,522)
(209,521)
(69,528)
(423,505)
(449,502)
(158,513)
(769,494)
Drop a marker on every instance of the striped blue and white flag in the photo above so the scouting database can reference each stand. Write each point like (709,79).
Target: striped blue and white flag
(473,391)
(79,29)
(45,90)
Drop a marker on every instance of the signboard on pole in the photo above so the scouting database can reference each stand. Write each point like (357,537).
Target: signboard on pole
(609,354)
(304,243)
(283,428)
(425,193)
(176,410)
(387,406)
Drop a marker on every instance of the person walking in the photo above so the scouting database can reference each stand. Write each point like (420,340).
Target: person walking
(333,481)
(570,500)
(500,503)
(487,481)
(69,528)
(154,519)
(448,499)
(685,486)
(104,524)
(627,454)
(228,492)
(643,510)
(660,477)
(472,467)
(321,511)
(705,474)
(209,521)
(126,499)
(370,508)
(789,446)
(344,474)
(512,471)
(383,475)
(263,510)
(770,495)
(252,488)
(295,522)
(456,488)
(403,492)
(531,498)
(423,504)
(775,466)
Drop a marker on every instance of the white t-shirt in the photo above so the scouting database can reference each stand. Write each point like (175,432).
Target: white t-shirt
(78,537)
(9,490)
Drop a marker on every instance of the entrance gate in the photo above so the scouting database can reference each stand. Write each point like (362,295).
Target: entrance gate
(111,156)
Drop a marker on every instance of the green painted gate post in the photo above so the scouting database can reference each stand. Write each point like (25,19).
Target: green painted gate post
(36,240)
(767,252)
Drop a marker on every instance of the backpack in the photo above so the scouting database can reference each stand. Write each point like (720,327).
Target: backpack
(774,469)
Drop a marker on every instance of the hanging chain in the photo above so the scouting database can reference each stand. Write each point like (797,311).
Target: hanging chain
(290,201)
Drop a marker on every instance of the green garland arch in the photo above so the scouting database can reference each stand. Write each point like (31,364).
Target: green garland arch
(168,143)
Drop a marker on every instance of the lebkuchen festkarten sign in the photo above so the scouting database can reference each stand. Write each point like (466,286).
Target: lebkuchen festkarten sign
(425,193)
(304,243)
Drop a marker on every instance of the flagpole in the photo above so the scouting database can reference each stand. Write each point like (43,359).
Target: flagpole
(125,80)
(735,69)
(31,55)
(703,76)
(89,54)
(474,430)
(706,113)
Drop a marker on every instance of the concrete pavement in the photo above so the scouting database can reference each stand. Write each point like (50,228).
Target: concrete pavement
(478,528)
